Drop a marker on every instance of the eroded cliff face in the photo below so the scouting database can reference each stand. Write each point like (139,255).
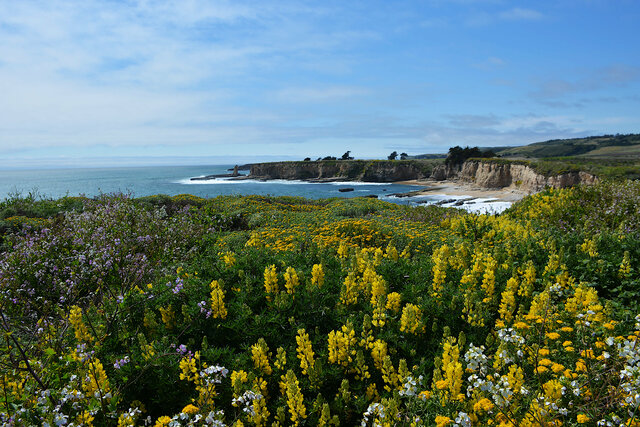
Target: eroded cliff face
(483,174)
(348,170)
(501,175)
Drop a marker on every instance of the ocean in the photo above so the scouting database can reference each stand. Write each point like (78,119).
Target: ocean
(173,180)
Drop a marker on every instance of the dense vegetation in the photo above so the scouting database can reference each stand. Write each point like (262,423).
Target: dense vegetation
(458,155)
(286,311)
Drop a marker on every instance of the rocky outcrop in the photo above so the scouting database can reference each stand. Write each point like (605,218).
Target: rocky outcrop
(488,174)
(345,170)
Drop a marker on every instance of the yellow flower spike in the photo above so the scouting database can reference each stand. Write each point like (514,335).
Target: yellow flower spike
(411,320)
(96,378)
(589,247)
(291,280)
(625,266)
(317,275)
(507,307)
(218,308)
(442,421)
(260,355)
(440,260)
(80,329)
(85,418)
(238,378)
(553,390)
(228,258)
(295,399)
(378,353)
(393,302)
(190,409)
(483,405)
(168,316)
(163,421)
(304,350)
(582,419)
(349,291)
(341,345)
(378,288)
(270,281)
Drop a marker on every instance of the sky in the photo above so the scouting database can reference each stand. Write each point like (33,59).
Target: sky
(205,81)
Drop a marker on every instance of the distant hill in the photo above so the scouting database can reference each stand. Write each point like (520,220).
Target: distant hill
(605,146)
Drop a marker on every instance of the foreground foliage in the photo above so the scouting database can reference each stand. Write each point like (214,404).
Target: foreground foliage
(286,311)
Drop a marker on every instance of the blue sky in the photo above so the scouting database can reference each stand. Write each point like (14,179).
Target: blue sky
(213,81)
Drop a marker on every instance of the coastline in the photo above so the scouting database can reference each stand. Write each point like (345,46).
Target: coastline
(457,190)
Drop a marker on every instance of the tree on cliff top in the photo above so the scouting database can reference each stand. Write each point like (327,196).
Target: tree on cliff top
(346,156)
(393,155)
(457,155)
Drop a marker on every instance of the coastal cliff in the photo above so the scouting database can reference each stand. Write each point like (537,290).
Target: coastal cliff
(500,174)
(345,170)
(483,173)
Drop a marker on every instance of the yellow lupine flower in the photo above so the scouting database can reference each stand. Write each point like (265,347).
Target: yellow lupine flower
(552,389)
(260,355)
(341,345)
(295,399)
(393,302)
(168,316)
(304,350)
(442,421)
(582,419)
(218,309)
(291,280)
(85,418)
(483,405)
(625,266)
(349,291)
(96,378)
(270,281)
(228,258)
(317,275)
(80,329)
(411,320)
(589,247)
(238,378)
(190,409)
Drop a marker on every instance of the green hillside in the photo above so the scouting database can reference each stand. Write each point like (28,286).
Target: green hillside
(610,146)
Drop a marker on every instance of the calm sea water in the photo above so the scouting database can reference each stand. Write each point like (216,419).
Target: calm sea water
(172,180)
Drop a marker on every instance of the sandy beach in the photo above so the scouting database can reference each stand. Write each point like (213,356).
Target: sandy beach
(458,189)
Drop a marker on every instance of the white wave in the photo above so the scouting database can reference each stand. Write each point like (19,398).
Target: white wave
(188,181)
(480,205)
(487,208)
(356,183)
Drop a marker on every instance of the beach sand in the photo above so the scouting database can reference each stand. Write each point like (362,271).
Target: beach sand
(457,189)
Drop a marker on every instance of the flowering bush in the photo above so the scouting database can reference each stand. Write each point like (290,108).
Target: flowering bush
(286,311)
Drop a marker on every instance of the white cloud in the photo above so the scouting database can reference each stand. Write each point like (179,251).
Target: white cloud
(491,63)
(612,76)
(521,14)
(319,94)
(484,18)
